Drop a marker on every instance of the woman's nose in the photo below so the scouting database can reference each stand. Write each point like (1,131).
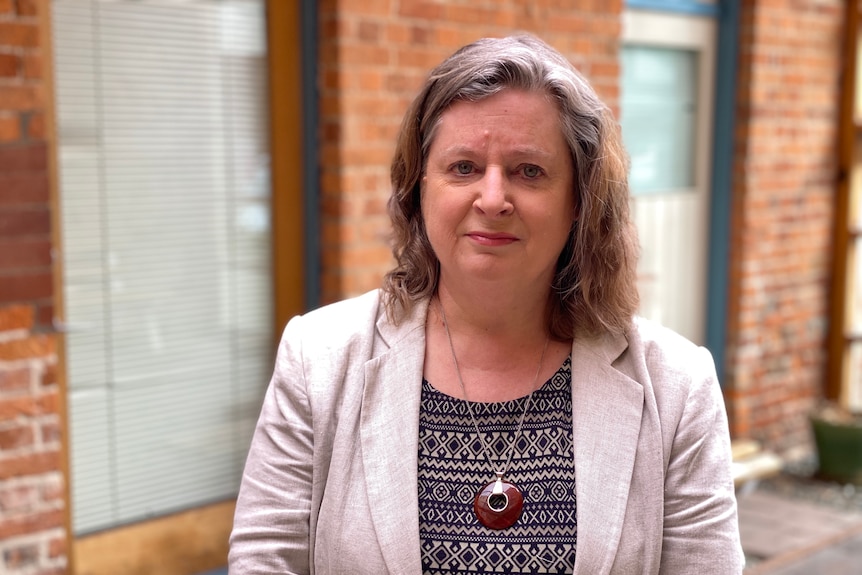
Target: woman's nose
(493,198)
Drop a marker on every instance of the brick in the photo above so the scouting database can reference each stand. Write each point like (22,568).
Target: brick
(19,407)
(33,523)
(23,188)
(31,66)
(8,65)
(18,34)
(15,499)
(50,432)
(49,375)
(28,7)
(14,380)
(422,10)
(35,346)
(365,55)
(369,31)
(35,123)
(48,403)
(45,317)
(26,286)
(10,128)
(16,317)
(52,487)
(468,14)
(30,464)
(24,222)
(21,557)
(24,253)
(21,97)
(16,437)
(57,547)
(382,8)
(6,6)
(23,158)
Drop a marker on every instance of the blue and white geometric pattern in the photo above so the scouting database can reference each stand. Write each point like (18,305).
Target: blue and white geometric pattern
(453,468)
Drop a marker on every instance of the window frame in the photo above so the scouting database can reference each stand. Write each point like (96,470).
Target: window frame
(841,335)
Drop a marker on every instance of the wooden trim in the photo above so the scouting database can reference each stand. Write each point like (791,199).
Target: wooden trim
(286,121)
(838,345)
(46,43)
(189,542)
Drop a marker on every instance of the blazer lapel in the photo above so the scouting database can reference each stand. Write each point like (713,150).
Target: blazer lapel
(607,406)
(389,438)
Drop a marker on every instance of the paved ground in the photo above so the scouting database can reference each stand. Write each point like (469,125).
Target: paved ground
(844,558)
(786,536)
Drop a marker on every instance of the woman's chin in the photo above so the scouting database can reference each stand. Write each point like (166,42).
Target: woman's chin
(490,270)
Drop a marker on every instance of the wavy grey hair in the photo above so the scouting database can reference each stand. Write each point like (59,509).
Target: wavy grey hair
(594,289)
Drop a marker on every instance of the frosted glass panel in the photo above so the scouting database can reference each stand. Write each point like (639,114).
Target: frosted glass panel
(670,267)
(165,195)
(659,109)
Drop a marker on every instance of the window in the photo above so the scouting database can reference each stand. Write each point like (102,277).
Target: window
(165,205)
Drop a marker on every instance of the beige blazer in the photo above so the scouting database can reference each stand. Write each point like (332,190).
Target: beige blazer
(330,485)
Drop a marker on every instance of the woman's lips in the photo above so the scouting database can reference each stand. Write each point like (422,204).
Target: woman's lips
(492,238)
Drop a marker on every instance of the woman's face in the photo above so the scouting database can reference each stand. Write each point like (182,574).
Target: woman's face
(497,194)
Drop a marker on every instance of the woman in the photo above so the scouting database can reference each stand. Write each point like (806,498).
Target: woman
(496,407)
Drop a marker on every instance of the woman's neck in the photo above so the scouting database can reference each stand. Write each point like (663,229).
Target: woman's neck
(502,315)
(499,344)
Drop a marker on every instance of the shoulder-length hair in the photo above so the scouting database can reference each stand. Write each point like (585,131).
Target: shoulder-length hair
(594,289)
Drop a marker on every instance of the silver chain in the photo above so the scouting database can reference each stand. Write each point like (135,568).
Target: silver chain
(485,449)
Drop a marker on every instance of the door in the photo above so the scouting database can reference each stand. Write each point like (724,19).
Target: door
(668,63)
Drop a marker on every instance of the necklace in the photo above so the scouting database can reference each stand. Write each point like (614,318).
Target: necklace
(498,504)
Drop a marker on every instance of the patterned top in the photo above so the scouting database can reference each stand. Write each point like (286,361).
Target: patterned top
(453,468)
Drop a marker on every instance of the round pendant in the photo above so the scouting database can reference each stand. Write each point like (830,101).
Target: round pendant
(498,505)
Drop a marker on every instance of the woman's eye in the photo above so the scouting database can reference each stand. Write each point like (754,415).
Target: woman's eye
(532,171)
(464,168)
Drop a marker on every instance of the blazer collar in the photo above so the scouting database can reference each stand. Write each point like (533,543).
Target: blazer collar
(392,334)
(604,458)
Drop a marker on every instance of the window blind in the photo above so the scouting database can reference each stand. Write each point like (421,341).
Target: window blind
(165,195)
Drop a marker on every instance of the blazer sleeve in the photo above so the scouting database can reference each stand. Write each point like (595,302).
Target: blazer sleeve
(271,523)
(701,530)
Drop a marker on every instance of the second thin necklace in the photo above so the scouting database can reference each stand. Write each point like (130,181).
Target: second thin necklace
(498,504)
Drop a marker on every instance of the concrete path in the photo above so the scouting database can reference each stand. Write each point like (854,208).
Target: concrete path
(792,537)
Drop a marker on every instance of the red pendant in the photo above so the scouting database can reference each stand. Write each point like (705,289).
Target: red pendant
(498,505)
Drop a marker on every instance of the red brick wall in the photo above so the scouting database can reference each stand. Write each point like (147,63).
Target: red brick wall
(784,183)
(374,56)
(32,488)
